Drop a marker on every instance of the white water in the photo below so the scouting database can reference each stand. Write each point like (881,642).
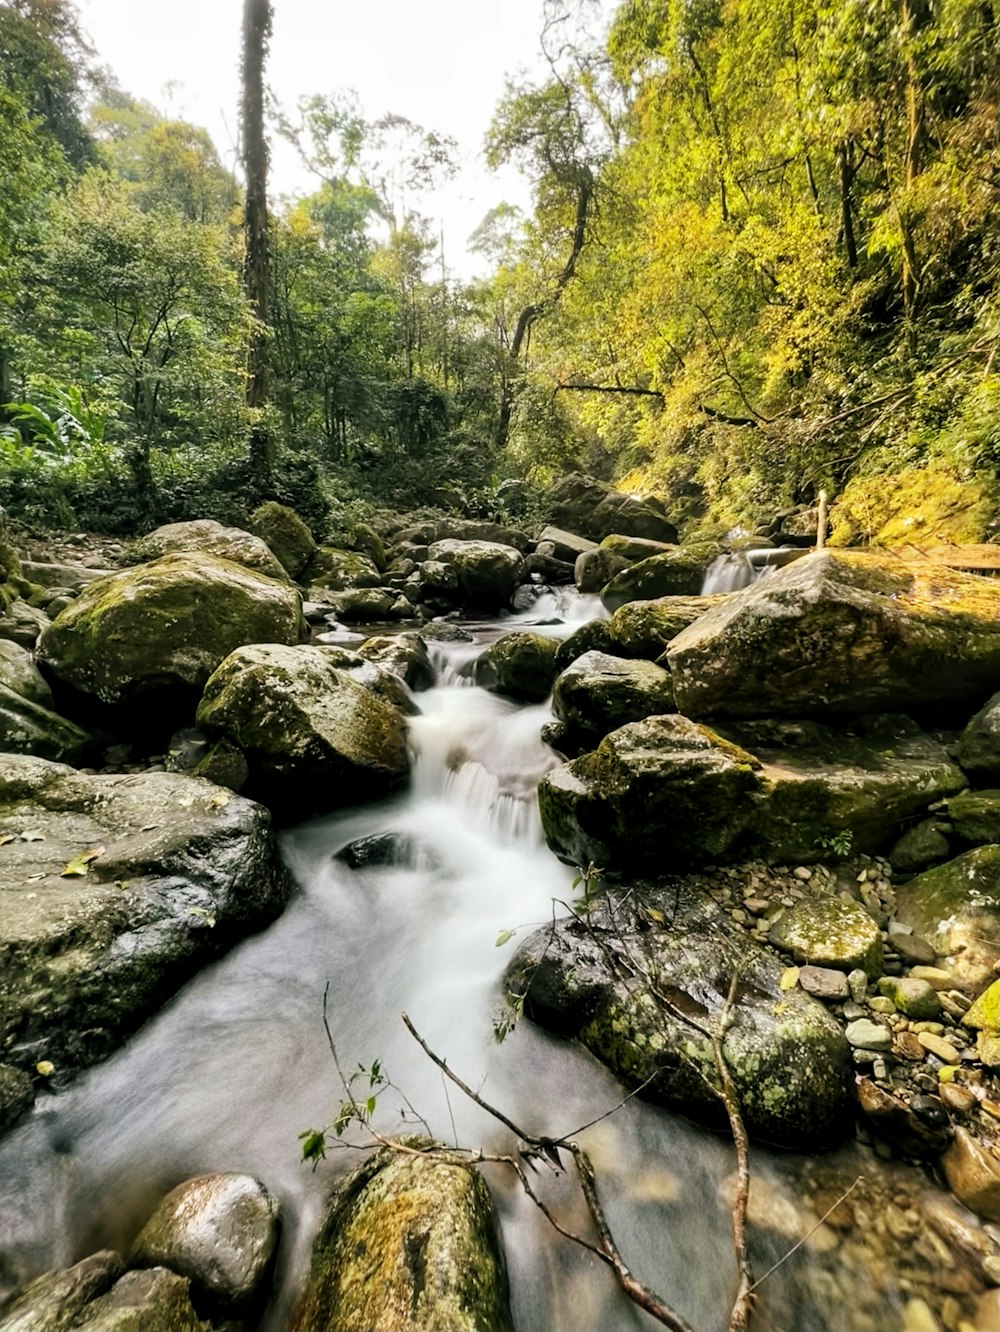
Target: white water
(237,1065)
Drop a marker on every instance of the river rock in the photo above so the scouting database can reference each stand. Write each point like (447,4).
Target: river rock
(598,693)
(824,983)
(594,636)
(207,537)
(17,1096)
(918,999)
(21,623)
(407,1243)
(370,603)
(830,932)
(141,1302)
(521,665)
(28,722)
(487,572)
(979,746)
(973,1175)
(892,1119)
(219,1231)
(644,628)
(57,1301)
(919,846)
(462,529)
(333,570)
(403,654)
(866,1034)
(582,504)
(165,873)
(64,578)
(285,534)
(676,572)
(976,815)
(955,908)
(314,738)
(562,545)
(596,567)
(845,632)
(588,978)
(157,632)
(634,548)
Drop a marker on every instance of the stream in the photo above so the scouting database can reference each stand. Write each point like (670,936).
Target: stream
(237,1065)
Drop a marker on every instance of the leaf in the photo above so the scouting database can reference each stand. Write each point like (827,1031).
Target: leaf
(45,1067)
(504,937)
(313,1145)
(30,835)
(655,914)
(80,865)
(789,978)
(370,1106)
(220,800)
(204,914)
(8,837)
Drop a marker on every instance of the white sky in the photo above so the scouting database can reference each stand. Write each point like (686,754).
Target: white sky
(441,63)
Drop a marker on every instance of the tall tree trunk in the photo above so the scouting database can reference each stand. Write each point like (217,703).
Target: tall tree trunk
(915,14)
(845,161)
(256,265)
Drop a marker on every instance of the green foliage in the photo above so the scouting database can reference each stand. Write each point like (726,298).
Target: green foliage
(839,843)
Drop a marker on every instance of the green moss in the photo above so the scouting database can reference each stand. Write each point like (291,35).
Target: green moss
(925,505)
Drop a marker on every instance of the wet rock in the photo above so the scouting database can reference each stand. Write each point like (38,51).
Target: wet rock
(595,568)
(57,1301)
(22,624)
(521,665)
(486,572)
(864,1034)
(922,845)
(224,764)
(142,1301)
(219,1231)
(634,549)
(599,693)
(955,908)
(404,654)
(562,545)
(17,1096)
(594,636)
(204,536)
(174,872)
(29,723)
(973,1174)
(645,628)
(824,983)
(830,932)
(891,1118)
(582,504)
(285,534)
(915,998)
(843,632)
(788,1056)
(381,849)
(979,746)
(672,573)
(407,1243)
(976,815)
(331,570)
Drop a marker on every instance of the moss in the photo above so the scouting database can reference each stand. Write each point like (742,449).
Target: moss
(286,534)
(926,505)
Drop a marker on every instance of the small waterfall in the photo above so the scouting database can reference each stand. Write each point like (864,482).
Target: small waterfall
(728,573)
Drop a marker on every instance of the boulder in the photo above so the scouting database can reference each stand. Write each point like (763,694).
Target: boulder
(314,738)
(633,549)
(142,1301)
(486,571)
(979,746)
(973,1174)
(57,1301)
(594,509)
(843,632)
(645,628)
(519,665)
(285,534)
(594,636)
(364,538)
(462,529)
(676,572)
(28,722)
(830,932)
(219,1231)
(65,577)
(21,623)
(114,890)
(975,815)
(377,677)
(955,907)
(595,568)
(332,570)
(407,1243)
(17,1096)
(160,630)
(205,536)
(598,693)
(370,603)
(593,978)
(404,654)
(920,846)
(562,545)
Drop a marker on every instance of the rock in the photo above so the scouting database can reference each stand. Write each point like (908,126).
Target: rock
(678,572)
(224,764)
(362,537)
(916,998)
(66,577)
(830,932)
(487,573)
(369,603)
(635,549)
(285,534)
(986,1317)
(462,529)
(954,907)
(644,628)
(912,948)
(28,722)
(204,536)
(976,815)
(314,738)
(984,1014)
(864,1034)
(973,1175)
(390,848)
(788,1056)
(179,871)
(843,632)
(892,1119)
(403,654)
(940,1048)
(562,545)
(594,636)
(333,570)
(598,693)
(407,1243)
(17,1096)
(155,633)
(56,1301)
(582,504)
(22,624)
(219,1231)
(979,746)
(520,665)
(919,846)
(142,1301)
(443,631)
(824,983)
(594,568)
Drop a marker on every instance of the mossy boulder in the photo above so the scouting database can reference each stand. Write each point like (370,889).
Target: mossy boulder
(956,908)
(141,1301)
(830,932)
(162,628)
(462,529)
(334,570)
(314,738)
(595,568)
(370,603)
(28,721)
(916,505)
(594,509)
(635,549)
(487,572)
(57,1301)
(593,979)
(408,1243)
(404,654)
(841,632)
(594,636)
(521,665)
(207,537)
(285,534)
(22,623)
(645,628)
(976,815)
(598,693)
(979,746)
(173,872)
(672,573)
(562,545)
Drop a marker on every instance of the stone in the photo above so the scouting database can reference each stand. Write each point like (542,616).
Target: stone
(593,569)
(830,932)
(918,1316)
(562,545)
(332,570)
(634,549)
(221,1232)
(285,534)
(645,628)
(407,1242)
(521,665)
(486,572)
(979,745)
(984,1013)
(912,948)
(976,815)
(462,529)
(596,510)
(204,536)
(594,636)
(939,1047)
(787,1054)
(936,976)
(676,572)
(314,738)
(29,723)
(181,870)
(404,654)
(864,1034)
(368,603)
(56,1301)
(916,998)
(955,908)
(973,1174)
(895,1121)
(224,764)
(922,845)
(987,1312)
(142,1301)
(62,577)
(880,1004)
(843,632)
(824,983)
(17,1096)
(598,693)
(21,623)
(857,983)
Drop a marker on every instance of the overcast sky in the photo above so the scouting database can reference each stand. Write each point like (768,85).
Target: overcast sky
(442,63)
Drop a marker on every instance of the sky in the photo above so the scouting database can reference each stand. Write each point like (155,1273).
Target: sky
(441,63)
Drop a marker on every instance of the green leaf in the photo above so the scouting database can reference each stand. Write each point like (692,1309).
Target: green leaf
(201,912)
(504,937)
(80,865)
(313,1145)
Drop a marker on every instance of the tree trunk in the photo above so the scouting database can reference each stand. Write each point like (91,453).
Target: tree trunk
(256,263)
(915,14)
(845,161)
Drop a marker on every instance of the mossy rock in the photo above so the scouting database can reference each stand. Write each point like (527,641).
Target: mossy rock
(28,721)
(17,1096)
(645,628)
(583,504)
(976,815)
(589,978)
(57,1301)
(287,536)
(408,1244)
(404,654)
(634,549)
(594,569)
(830,932)
(335,570)
(677,572)
(141,1301)
(487,572)
(206,536)
(598,693)
(956,908)
(979,746)
(916,505)
(520,665)
(594,636)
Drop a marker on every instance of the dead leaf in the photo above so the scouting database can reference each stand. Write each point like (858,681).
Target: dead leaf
(80,865)
(789,978)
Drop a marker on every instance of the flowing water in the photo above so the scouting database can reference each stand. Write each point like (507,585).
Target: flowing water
(230,1072)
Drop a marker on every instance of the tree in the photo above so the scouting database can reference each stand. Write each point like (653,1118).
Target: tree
(257,266)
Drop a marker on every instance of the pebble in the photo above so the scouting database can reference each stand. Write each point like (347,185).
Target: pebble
(853,1011)
(909,1046)
(936,976)
(857,983)
(935,1028)
(881,1004)
(939,1047)
(823,982)
(803,872)
(957,1098)
(864,1034)
(756,905)
(919,1317)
